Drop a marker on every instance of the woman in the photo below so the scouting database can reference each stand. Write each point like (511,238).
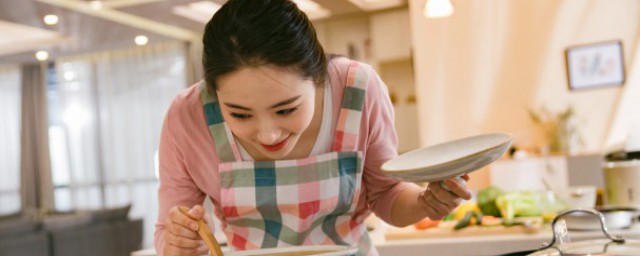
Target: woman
(287,144)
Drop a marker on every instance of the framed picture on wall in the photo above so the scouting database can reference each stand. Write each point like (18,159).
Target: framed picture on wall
(595,65)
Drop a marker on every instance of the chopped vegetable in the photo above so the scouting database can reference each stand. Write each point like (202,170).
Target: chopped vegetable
(426,223)
(487,200)
(517,204)
(489,220)
(470,218)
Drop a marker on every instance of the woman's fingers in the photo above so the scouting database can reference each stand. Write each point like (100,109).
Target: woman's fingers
(181,238)
(177,216)
(438,201)
(459,190)
(437,207)
(196,212)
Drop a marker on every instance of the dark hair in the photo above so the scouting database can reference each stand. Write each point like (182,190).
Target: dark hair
(251,33)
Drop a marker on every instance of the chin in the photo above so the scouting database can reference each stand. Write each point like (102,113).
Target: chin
(277,155)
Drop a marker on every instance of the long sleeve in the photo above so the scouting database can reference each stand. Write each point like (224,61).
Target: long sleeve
(177,187)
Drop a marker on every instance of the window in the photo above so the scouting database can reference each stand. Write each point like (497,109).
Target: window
(106,114)
(10,100)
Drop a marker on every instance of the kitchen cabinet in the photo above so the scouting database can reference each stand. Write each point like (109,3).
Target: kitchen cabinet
(391,35)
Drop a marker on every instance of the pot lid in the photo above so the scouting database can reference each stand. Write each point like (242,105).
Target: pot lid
(593,247)
(622,156)
(561,245)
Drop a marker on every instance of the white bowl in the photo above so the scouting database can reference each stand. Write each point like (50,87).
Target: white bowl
(315,250)
(448,160)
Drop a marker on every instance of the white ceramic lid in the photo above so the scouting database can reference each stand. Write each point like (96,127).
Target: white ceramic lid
(593,247)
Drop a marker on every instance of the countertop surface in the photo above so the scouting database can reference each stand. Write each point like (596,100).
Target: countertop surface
(485,245)
(471,245)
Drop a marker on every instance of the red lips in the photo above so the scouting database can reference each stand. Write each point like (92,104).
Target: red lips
(277,146)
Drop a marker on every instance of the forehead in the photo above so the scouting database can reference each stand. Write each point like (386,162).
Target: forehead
(249,82)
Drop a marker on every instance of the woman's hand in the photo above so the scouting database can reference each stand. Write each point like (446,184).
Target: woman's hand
(180,237)
(438,202)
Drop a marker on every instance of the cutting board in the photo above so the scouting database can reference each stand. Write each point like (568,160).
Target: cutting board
(445,231)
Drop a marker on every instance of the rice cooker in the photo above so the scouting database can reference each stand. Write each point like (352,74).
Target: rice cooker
(622,179)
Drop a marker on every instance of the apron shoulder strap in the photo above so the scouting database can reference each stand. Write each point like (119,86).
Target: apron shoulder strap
(346,136)
(222,136)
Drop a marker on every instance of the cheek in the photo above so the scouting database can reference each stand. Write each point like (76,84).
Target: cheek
(240,129)
(299,122)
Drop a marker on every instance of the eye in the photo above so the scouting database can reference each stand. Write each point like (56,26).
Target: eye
(240,116)
(285,112)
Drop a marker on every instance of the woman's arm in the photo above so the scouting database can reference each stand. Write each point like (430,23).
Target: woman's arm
(177,188)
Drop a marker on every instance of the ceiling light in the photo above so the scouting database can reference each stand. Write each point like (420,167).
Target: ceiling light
(198,11)
(438,8)
(313,10)
(50,19)
(371,5)
(96,5)
(141,40)
(42,55)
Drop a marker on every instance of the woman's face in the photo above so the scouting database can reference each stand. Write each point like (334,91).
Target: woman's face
(267,108)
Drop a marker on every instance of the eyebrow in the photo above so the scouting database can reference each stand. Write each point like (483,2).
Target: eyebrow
(279,104)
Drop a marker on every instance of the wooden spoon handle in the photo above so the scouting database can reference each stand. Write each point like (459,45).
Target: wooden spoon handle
(205,233)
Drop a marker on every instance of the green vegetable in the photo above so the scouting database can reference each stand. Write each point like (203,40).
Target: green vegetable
(487,200)
(518,204)
(466,220)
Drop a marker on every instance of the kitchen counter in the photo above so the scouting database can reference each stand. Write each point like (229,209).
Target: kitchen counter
(470,246)
(483,245)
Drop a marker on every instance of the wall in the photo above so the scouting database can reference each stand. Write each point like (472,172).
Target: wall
(482,68)
(337,34)
(366,32)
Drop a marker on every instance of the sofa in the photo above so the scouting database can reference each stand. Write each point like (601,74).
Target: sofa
(107,232)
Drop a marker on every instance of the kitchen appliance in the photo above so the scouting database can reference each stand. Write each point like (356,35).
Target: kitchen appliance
(622,179)
(560,243)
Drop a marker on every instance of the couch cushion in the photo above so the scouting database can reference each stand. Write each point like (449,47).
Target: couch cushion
(110,214)
(16,225)
(67,220)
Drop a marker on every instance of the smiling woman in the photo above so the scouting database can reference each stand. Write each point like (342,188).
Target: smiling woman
(286,141)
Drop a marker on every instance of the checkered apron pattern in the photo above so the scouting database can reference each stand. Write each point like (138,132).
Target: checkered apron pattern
(308,201)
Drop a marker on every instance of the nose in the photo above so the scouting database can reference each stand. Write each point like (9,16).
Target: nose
(268,133)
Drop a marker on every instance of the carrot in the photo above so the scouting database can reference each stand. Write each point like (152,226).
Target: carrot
(426,223)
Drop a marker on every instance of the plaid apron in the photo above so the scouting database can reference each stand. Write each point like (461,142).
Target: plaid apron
(308,201)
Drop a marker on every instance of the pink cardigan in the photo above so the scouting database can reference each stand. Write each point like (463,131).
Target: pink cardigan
(188,160)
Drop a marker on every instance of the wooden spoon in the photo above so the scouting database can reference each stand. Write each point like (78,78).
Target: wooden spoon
(205,233)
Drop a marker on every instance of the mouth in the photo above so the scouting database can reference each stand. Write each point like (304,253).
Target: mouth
(277,146)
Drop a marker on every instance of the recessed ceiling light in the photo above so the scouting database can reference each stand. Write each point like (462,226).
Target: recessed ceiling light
(50,19)
(42,55)
(141,40)
(96,5)
(371,5)
(438,8)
